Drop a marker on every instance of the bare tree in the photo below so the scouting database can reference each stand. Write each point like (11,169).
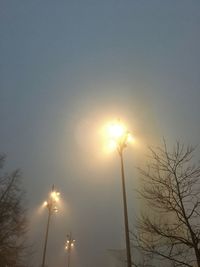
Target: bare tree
(169,228)
(13,223)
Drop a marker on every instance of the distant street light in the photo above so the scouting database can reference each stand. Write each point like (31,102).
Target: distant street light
(68,246)
(50,204)
(120,138)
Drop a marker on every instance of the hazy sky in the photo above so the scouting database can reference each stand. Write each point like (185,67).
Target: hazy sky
(66,68)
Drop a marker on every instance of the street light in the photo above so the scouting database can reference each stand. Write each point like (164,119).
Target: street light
(68,246)
(120,137)
(50,204)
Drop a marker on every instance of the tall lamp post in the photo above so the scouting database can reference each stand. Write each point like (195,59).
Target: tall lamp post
(120,138)
(50,204)
(68,246)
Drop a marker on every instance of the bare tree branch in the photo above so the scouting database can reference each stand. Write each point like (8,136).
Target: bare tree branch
(171,191)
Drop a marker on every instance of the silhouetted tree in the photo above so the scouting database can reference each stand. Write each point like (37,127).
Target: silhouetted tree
(169,227)
(13,223)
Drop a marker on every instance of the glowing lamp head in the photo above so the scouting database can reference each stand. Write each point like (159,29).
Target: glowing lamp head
(118,136)
(55,196)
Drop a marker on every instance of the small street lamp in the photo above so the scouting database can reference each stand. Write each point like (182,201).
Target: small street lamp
(50,204)
(68,246)
(120,138)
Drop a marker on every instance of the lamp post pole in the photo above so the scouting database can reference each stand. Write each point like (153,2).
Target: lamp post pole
(69,245)
(51,206)
(46,238)
(121,137)
(128,249)
(68,257)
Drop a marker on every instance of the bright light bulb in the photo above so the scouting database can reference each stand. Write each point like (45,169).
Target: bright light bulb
(53,194)
(55,209)
(116,130)
(130,138)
